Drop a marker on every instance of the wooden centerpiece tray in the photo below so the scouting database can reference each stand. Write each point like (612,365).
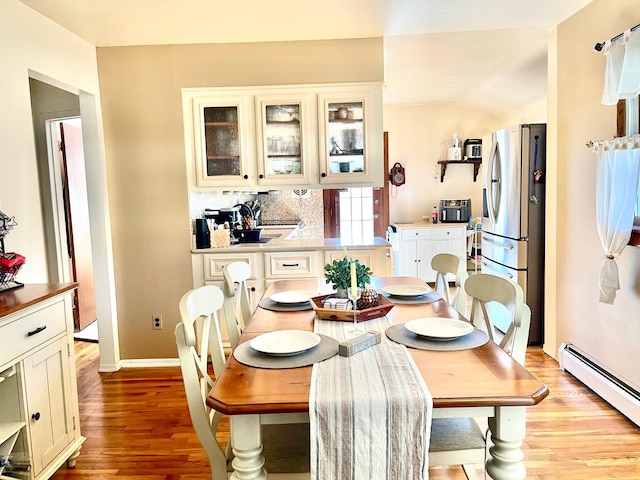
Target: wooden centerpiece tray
(347,315)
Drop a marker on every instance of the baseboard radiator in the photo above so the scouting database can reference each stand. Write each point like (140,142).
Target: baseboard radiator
(617,392)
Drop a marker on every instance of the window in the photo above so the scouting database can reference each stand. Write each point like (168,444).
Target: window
(356,214)
(628,124)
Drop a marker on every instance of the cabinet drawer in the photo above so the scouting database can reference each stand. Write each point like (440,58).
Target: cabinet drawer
(416,233)
(23,334)
(213,264)
(291,265)
(449,233)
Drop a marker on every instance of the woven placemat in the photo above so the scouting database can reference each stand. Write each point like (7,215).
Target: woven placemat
(246,355)
(426,298)
(399,334)
(269,304)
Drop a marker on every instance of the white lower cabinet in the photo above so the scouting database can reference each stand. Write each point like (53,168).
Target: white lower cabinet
(418,245)
(46,376)
(39,417)
(378,260)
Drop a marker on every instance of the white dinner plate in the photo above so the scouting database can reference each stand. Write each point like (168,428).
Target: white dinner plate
(293,296)
(285,342)
(406,290)
(436,328)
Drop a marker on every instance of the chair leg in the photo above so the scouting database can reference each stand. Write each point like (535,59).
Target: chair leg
(470,472)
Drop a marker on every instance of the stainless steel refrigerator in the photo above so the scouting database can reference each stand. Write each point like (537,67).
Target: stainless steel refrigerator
(514,211)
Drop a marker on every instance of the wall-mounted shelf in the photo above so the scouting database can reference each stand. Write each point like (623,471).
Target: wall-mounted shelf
(476,166)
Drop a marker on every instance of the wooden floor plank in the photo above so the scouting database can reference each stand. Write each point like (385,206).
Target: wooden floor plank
(138,428)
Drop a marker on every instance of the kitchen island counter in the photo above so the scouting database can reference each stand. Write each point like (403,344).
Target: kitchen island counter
(282,244)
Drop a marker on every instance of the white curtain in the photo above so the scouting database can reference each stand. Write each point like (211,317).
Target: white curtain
(617,179)
(622,73)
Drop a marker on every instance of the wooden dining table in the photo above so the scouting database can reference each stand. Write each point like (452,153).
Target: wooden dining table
(478,382)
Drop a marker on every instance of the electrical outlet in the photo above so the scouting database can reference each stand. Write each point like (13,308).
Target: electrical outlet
(157,322)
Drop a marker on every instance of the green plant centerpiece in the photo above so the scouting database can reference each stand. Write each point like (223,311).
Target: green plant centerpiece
(338,273)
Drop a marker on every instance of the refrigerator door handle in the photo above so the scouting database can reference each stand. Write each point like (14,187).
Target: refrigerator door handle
(493,184)
(506,246)
(506,273)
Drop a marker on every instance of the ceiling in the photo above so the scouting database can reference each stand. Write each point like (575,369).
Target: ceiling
(485,54)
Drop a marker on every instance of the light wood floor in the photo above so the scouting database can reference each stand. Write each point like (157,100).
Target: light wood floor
(138,428)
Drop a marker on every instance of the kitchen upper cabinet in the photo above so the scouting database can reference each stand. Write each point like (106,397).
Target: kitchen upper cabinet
(293,136)
(286,142)
(350,131)
(222,139)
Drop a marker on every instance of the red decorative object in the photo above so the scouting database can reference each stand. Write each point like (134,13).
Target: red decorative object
(10,264)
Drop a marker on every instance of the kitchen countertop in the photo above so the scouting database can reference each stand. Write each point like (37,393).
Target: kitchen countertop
(282,244)
(12,301)
(429,224)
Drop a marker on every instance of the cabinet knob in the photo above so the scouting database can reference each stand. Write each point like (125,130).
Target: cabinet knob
(253,289)
(261,176)
(246,177)
(323,174)
(36,416)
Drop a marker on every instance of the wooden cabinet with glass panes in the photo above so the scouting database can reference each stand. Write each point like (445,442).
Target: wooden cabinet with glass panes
(286,135)
(286,142)
(222,138)
(350,135)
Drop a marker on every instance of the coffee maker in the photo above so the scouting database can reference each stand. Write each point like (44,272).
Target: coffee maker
(222,215)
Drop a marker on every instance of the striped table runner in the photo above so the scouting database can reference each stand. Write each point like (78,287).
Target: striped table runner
(370,413)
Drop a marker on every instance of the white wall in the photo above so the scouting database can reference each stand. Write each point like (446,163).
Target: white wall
(31,43)
(416,133)
(610,333)
(34,46)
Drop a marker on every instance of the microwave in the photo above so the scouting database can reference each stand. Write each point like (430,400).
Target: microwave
(455,211)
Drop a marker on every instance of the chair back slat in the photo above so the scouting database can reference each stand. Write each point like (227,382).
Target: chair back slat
(237,305)
(445,264)
(489,290)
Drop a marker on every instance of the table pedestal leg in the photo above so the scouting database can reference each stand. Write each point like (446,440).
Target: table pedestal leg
(247,448)
(507,433)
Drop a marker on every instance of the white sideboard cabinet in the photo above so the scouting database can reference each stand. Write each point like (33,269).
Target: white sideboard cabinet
(39,417)
(420,242)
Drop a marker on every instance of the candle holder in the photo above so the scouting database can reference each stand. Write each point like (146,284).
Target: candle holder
(354,296)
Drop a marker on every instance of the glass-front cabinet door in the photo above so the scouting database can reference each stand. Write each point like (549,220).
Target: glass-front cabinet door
(223,150)
(286,144)
(351,136)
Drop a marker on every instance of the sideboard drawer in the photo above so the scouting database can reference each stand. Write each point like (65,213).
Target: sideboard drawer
(214,263)
(291,265)
(21,335)
(416,233)
(452,233)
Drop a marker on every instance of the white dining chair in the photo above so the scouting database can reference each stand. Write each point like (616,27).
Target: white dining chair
(238,311)
(286,446)
(237,304)
(446,264)
(461,441)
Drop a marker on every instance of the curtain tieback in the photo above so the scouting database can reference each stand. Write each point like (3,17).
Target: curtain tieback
(610,257)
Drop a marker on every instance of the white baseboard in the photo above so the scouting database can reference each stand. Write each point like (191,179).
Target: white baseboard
(619,393)
(150,362)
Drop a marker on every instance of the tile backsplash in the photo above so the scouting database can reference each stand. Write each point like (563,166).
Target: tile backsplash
(294,205)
